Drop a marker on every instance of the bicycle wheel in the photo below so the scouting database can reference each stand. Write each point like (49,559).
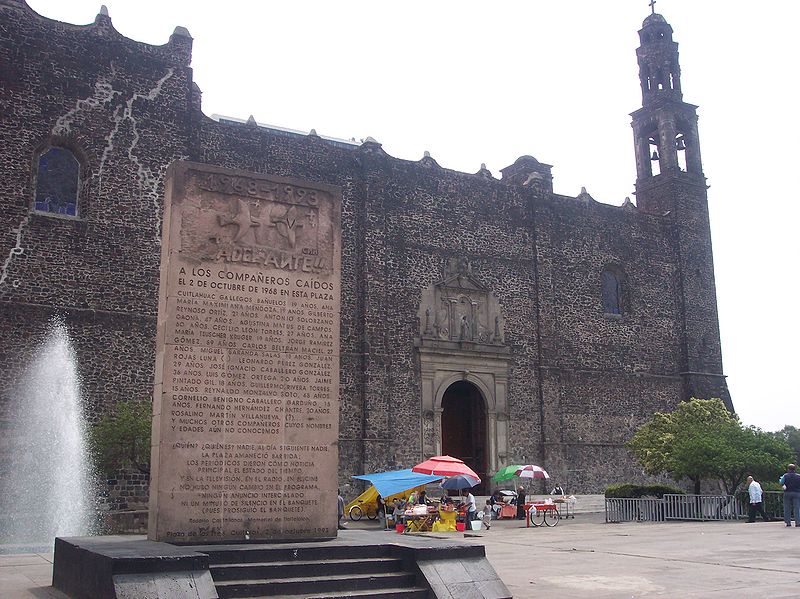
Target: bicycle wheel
(356,513)
(552,517)
(536,517)
(372,513)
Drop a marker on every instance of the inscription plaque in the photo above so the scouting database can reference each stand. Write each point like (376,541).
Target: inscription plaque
(246,399)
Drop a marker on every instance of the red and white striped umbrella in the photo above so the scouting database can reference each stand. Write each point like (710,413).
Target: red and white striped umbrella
(445,465)
(531,471)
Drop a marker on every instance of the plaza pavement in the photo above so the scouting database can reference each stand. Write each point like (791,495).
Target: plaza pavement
(584,557)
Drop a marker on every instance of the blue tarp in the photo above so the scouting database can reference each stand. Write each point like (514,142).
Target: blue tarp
(397,481)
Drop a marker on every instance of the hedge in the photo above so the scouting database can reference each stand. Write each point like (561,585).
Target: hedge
(631,491)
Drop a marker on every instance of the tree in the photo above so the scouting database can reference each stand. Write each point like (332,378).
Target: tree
(792,436)
(122,438)
(702,440)
(757,453)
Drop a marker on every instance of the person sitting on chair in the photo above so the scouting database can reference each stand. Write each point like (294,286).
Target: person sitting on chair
(557,490)
(399,508)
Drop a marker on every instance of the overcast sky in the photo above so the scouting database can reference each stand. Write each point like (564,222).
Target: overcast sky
(475,82)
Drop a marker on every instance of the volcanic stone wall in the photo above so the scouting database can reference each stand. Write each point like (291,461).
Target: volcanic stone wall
(121,108)
(580,380)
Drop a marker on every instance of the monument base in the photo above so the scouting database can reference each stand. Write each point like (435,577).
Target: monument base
(407,566)
(127,567)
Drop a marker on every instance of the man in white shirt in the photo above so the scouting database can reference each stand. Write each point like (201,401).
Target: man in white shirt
(756,500)
(472,508)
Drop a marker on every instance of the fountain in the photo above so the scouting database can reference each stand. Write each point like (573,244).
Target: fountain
(47,488)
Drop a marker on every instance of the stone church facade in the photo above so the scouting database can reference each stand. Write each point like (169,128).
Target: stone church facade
(486,317)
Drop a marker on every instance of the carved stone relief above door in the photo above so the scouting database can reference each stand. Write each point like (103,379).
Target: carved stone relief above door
(460,308)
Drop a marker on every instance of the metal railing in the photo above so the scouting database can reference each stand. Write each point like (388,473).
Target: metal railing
(675,507)
(634,510)
(772,501)
(701,507)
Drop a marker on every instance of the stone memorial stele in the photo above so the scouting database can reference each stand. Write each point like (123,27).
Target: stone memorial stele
(246,399)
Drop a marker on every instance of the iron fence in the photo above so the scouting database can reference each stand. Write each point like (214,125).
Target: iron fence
(772,502)
(675,507)
(634,510)
(701,507)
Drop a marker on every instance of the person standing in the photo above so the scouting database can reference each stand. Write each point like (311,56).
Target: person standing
(756,500)
(487,515)
(382,512)
(340,508)
(472,507)
(521,503)
(791,495)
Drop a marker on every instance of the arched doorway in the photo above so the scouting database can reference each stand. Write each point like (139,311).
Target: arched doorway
(464,428)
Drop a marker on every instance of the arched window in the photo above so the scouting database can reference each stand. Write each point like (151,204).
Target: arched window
(612,292)
(57,182)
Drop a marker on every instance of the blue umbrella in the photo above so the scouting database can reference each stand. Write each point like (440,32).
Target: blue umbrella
(460,481)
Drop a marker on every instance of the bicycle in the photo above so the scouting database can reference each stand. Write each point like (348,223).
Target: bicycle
(544,514)
(358,511)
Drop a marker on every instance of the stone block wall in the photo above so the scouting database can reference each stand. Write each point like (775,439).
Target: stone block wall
(128,490)
(580,380)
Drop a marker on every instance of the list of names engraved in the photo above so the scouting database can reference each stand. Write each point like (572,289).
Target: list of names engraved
(246,404)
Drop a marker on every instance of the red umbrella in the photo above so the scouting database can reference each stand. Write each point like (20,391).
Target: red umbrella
(531,471)
(445,465)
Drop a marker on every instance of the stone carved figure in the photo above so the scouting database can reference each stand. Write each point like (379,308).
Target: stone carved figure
(466,330)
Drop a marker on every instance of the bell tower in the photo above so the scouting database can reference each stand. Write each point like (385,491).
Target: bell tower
(665,128)
(670,185)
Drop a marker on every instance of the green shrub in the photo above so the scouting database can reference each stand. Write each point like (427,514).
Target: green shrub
(631,491)
(122,438)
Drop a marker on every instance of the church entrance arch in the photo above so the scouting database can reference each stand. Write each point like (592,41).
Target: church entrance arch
(464,364)
(464,428)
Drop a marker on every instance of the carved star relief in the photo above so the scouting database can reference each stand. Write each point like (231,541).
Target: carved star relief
(242,219)
(287,225)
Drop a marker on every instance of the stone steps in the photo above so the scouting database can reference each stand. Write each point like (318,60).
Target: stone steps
(221,572)
(412,593)
(314,585)
(309,571)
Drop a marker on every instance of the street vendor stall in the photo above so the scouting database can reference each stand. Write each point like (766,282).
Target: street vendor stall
(542,513)
(397,484)
(420,518)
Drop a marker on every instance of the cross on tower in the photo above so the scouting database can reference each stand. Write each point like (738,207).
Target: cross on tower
(652,6)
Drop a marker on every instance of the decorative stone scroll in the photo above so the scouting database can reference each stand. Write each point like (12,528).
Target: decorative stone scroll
(246,401)
(461,308)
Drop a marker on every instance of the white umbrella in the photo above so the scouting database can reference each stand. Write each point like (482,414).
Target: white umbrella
(531,471)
